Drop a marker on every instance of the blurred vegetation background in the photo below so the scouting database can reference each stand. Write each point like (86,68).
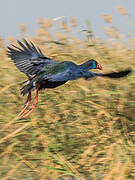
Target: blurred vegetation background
(83,130)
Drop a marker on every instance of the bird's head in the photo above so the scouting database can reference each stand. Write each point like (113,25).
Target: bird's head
(94,64)
(90,64)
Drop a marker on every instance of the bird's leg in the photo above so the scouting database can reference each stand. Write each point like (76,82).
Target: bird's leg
(35,101)
(26,104)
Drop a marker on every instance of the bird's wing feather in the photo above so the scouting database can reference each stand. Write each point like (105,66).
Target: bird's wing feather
(28,58)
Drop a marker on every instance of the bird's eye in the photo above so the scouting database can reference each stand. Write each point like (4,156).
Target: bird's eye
(94,65)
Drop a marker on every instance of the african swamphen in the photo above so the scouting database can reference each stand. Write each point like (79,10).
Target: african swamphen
(43,72)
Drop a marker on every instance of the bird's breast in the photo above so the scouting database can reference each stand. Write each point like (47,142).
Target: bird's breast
(48,84)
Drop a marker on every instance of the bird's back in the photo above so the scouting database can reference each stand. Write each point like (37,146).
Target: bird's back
(54,68)
(56,71)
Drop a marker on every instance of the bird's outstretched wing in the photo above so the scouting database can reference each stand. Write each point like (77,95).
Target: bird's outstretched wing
(28,58)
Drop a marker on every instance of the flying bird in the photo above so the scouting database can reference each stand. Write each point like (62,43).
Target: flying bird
(44,72)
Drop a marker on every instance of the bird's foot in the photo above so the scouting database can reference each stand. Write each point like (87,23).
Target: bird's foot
(26,105)
(24,113)
(35,101)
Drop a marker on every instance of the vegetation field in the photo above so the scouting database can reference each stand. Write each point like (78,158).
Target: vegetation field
(83,130)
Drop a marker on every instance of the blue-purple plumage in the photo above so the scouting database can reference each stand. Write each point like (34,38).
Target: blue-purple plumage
(40,68)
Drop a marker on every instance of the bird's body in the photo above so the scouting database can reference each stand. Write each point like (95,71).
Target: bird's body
(55,74)
(43,72)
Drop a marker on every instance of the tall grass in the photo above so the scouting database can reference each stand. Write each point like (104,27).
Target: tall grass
(83,129)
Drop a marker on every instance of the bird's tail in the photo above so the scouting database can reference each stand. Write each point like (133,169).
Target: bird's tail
(27,88)
(117,74)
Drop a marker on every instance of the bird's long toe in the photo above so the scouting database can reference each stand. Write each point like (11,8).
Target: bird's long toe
(27,113)
(26,105)
(35,101)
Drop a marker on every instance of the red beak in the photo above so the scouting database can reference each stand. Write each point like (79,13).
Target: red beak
(99,67)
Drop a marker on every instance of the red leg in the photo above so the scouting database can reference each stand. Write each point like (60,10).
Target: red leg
(26,105)
(35,101)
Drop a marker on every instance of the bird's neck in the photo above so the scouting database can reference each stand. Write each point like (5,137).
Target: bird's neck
(86,66)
